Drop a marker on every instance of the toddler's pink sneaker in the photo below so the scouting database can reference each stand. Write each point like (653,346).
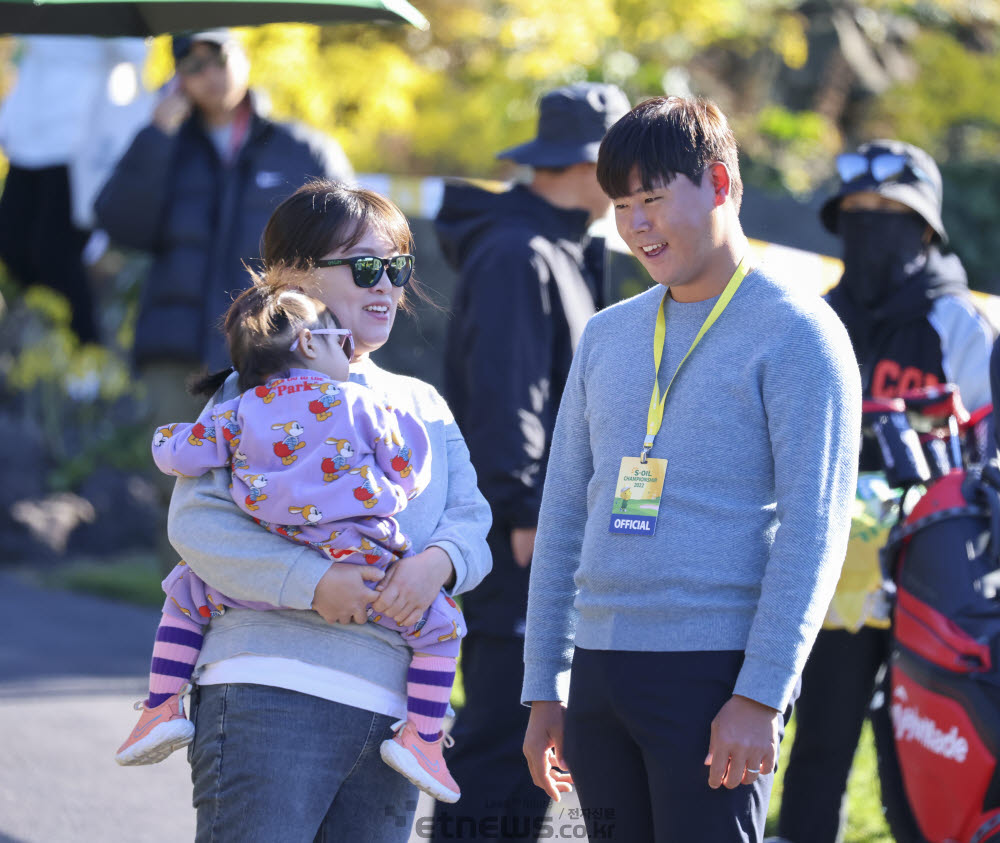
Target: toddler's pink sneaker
(421,761)
(158,733)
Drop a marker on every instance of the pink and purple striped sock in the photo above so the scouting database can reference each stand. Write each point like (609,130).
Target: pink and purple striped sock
(175,653)
(428,688)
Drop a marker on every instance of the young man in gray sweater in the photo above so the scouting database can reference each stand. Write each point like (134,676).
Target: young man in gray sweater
(696,510)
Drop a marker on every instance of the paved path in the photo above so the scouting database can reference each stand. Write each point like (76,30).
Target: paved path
(70,668)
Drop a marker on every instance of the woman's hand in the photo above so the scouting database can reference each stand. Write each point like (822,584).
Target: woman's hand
(341,595)
(411,585)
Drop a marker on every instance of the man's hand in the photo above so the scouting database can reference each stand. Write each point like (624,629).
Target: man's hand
(543,747)
(171,111)
(411,585)
(744,742)
(341,595)
(522,544)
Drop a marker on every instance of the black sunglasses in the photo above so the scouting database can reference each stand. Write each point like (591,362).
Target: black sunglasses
(192,65)
(367,269)
(883,167)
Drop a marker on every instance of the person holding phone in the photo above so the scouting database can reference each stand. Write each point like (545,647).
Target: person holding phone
(195,189)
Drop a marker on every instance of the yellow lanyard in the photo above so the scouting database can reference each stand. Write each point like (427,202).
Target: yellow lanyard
(656,404)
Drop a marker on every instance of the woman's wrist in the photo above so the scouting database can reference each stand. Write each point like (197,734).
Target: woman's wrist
(443,566)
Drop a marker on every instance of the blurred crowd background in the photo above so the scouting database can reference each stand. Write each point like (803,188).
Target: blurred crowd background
(801,80)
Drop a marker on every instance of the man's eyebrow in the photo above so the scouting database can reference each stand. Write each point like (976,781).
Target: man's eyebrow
(628,195)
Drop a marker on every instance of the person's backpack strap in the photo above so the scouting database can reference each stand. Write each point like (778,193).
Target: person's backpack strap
(989,487)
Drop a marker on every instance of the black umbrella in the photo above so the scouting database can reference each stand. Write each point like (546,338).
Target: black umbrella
(157,17)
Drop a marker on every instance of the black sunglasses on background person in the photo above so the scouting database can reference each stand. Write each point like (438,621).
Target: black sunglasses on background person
(192,65)
(883,167)
(367,269)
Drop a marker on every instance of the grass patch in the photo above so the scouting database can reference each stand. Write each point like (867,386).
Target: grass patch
(130,579)
(865,823)
(458,689)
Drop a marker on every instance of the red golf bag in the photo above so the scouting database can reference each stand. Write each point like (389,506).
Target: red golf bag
(937,716)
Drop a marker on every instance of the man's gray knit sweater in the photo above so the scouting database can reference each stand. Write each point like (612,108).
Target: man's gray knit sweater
(761,431)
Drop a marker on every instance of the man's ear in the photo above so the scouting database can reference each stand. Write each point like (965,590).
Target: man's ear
(719,174)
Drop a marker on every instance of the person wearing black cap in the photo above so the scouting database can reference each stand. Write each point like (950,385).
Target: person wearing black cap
(913,323)
(528,284)
(195,188)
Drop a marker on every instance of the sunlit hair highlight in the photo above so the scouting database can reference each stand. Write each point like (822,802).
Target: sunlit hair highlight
(262,323)
(664,137)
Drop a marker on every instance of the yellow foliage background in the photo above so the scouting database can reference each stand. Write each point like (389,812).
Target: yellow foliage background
(446,100)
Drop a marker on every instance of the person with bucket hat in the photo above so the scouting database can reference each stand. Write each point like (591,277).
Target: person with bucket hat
(530,278)
(913,324)
(195,189)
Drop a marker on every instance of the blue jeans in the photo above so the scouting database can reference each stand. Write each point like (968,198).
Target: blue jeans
(269,764)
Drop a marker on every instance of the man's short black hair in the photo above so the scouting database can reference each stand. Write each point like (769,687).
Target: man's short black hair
(666,136)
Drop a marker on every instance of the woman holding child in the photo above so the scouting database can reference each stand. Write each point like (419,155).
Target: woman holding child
(292,705)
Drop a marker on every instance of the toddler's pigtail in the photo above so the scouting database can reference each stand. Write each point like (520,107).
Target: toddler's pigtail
(208,384)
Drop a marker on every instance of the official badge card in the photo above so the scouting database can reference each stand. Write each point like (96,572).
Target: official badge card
(637,496)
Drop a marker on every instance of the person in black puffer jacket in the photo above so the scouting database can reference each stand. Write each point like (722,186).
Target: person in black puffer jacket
(195,189)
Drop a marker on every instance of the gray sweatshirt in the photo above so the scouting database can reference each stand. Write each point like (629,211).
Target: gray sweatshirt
(227,549)
(761,430)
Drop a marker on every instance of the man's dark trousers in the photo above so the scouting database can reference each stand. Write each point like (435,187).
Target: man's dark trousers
(637,732)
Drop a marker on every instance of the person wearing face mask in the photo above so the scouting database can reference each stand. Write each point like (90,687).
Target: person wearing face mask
(995,391)
(905,304)
(912,322)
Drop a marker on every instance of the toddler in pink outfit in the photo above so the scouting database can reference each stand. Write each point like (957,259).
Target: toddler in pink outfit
(319,460)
